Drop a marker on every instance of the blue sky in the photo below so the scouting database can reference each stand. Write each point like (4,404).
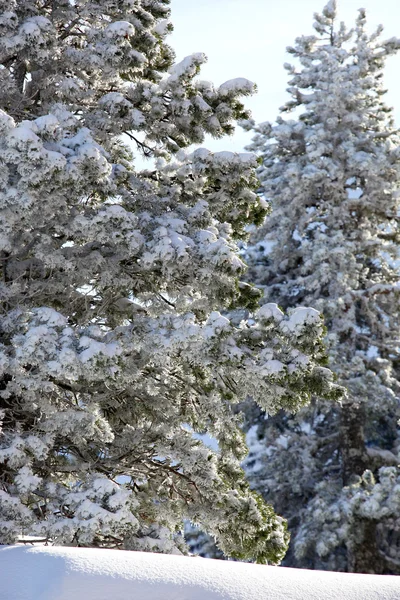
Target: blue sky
(247,38)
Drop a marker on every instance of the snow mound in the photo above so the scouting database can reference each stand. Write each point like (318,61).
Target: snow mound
(59,573)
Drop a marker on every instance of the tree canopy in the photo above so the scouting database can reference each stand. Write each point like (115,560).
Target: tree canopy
(113,346)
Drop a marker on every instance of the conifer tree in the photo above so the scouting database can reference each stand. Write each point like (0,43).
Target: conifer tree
(112,347)
(331,171)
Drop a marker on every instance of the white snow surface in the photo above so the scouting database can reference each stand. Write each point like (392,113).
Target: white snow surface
(60,573)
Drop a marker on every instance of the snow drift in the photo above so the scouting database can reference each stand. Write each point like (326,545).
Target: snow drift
(60,573)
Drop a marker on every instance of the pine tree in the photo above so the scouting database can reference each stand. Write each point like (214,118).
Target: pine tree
(331,171)
(112,347)
(201,543)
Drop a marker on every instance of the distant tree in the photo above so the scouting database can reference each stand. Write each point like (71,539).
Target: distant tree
(201,543)
(332,175)
(112,349)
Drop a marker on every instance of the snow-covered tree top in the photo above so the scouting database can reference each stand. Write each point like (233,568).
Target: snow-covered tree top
(109,64)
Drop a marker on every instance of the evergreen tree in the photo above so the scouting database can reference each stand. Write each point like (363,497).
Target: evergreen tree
(112,349)
(201,543)
(331,171)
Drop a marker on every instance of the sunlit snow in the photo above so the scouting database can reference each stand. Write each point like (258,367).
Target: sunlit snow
(59,573)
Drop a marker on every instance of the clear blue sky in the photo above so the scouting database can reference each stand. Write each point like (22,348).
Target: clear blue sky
(247,38)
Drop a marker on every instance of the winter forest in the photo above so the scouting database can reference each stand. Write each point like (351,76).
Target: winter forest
(199,349)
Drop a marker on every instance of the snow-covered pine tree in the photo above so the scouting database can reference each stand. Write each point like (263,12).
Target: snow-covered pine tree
(331,171)
(112,347)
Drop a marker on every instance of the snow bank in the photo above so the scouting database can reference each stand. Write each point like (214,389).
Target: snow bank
(57,573)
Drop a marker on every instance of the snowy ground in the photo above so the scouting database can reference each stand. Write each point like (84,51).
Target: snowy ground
(56,573)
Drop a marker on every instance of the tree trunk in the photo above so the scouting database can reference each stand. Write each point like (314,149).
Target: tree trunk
(354,455)
(363,553)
